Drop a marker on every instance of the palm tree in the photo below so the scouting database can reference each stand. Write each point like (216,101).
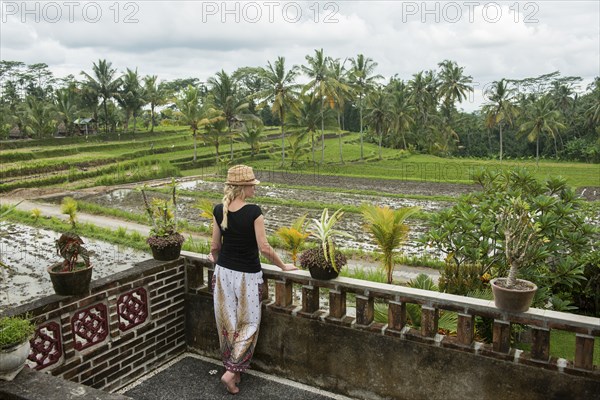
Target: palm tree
(251,134)
(39,117)
(225,98)
(323,86)
(401,109)
(281,92)
(309,118)
(388,229)
(339,73)
(500,110)
(454,85)
(362,80)
(156,95)
(103,84)
(130,97)
(66,108)
(542,118)
(190,106)
(378,114)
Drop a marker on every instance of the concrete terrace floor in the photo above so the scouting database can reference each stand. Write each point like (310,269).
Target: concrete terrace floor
(192,377)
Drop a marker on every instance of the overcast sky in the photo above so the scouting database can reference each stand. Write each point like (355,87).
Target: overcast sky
(181,39)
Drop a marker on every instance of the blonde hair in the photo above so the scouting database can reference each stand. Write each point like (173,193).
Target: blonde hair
(231,192)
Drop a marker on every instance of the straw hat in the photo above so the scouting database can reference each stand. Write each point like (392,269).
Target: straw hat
(241,175)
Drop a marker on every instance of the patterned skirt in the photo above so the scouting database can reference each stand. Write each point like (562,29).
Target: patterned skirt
(237,301)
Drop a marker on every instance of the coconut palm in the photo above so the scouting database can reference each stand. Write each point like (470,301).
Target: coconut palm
(130,97)
(104,84)
(378,114)
(251,134)
(388,229)
(401,109)
(541,118)
(309,119)
(323,85)
(339,73)
(190,106)
(156,95)
(225,98)
(39,117)
(281,92)
(454,85)
(66,108)
(500,110)
(362,80)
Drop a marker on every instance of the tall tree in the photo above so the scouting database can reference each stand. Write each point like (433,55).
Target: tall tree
(500,109)
(378,114)
(189,105)
(225,98)
(66,108)
(542,118)
(130,97)
(454,86)
(323,86)
(401,109)
(156,94)
(362,79)
(281,92)
(104,84)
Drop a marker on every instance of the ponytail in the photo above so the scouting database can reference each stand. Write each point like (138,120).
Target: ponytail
(231,192)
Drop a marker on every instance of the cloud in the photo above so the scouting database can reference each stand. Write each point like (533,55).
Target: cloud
(179,39)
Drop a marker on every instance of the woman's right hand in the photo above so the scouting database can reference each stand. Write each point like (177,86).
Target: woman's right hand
(289,267)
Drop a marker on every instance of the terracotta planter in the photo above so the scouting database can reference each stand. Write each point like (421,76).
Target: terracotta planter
(167,253)
(70,283)
(12,360)
(514,300)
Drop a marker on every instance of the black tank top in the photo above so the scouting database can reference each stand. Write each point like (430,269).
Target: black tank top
(239,250)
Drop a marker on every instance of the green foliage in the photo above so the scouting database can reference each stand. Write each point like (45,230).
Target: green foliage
(388,229)
(162,213)
(462,279)
(69,207)
(294,237)
(14,330)
(474,231)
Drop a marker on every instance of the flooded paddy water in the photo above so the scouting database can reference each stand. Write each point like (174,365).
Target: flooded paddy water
(29,251)
(279,215)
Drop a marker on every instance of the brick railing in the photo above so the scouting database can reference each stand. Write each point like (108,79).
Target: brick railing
(127,325)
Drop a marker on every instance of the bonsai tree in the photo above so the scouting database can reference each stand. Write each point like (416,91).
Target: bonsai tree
(522,239)
(294,236)
(325,256)
(70,247)
(388,229)
(163,216)
(14,331)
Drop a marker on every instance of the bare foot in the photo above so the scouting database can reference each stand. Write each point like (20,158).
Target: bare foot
(229,380)
(238,377)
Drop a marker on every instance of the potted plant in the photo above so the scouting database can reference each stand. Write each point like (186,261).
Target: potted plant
(164,240)
(71,276)
(324,261)
(15,333)
(522,242)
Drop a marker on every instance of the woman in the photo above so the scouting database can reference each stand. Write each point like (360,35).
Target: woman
(238,236)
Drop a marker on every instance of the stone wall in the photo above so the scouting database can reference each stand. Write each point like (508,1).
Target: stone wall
(372,361)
